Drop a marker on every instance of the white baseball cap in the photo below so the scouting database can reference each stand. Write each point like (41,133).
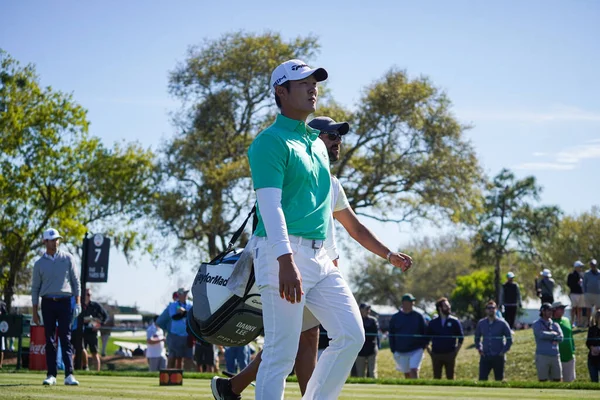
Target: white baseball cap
(546,272)
(578,264)
(510,275)
(51,234)
(295,70)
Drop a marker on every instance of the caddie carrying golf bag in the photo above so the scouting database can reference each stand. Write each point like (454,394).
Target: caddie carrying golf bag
(218,316)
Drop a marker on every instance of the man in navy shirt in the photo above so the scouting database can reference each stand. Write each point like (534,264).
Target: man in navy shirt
(446,335)
(366,362)
(493,339)
(407,338)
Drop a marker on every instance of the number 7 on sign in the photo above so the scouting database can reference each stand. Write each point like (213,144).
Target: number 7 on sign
(98,251)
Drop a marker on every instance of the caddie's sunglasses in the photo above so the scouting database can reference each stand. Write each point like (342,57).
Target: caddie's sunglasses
(332,135)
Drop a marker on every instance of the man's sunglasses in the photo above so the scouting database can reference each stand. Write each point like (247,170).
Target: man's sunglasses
(332,135)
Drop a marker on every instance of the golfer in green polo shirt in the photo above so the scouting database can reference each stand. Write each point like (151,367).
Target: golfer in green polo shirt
(290,173)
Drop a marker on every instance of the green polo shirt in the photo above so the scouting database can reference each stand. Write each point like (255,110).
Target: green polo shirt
(566,348)
(289,156)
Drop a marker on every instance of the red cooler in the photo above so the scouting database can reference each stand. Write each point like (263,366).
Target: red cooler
(37,349)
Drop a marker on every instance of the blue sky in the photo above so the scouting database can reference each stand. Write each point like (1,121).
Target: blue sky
(524,74)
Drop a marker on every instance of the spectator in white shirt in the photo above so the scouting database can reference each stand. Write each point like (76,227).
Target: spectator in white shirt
(155,352)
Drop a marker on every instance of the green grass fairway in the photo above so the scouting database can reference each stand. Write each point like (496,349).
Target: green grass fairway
(28,386)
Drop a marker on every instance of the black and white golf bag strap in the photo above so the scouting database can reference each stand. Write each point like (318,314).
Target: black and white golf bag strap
(218,316)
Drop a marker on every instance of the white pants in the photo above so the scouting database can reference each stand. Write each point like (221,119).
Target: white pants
(328,297)
(568,370)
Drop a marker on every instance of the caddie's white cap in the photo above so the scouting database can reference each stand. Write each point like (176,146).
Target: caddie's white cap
(578,264)
(510,275)
(51,234)
(295,70)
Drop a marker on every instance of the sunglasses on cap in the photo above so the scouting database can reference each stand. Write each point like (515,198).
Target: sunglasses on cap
(491,307)
(332,135)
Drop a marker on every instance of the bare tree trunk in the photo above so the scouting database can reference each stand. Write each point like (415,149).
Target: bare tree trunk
(212,245)
(497,280)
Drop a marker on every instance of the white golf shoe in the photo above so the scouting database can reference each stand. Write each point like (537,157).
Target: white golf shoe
(70,380)
(50,381)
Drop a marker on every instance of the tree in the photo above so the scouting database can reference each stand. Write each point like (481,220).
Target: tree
(224,88)
(510,223)
(439,262)
(378,282)
(52,173)
(472,292)
(406,157)
(577,238)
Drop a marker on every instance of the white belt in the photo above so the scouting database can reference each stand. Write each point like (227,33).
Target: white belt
(313,244)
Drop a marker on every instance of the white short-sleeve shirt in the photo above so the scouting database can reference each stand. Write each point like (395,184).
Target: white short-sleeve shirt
(158,349)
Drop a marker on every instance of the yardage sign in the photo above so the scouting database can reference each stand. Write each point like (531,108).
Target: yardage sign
(97,258)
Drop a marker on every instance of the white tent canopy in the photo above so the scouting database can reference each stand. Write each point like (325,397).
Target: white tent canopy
(128,318)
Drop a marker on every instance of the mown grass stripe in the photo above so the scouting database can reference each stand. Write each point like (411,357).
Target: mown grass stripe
(16,386)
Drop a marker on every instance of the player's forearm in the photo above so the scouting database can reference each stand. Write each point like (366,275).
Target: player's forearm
(369,241)
(359,232)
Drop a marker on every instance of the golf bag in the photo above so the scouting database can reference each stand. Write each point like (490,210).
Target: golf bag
(218,316)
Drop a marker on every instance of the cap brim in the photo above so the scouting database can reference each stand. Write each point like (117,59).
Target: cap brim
(342,128)
(55,237)
(320,74)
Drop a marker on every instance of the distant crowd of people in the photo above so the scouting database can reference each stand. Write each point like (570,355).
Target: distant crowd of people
(410,335)
(170,346)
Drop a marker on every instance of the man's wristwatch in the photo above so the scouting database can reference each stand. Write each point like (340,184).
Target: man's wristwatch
(389,256)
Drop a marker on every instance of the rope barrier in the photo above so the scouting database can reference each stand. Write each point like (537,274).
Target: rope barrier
(400,335)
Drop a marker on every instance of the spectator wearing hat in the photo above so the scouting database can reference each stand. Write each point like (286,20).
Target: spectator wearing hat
(366,362)
(493,339)
(547,335)
(56,279)
(407,338)
(566,348)
(591,286)
(593,344)
(510,299)
(545,286)
(177,340)
(446,335)
(575,284)
(93,315)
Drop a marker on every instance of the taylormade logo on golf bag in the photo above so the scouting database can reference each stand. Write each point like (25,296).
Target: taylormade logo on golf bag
(215,280)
